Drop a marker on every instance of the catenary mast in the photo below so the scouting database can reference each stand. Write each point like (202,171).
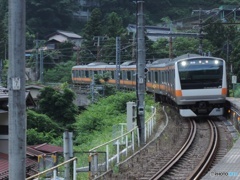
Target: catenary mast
(141,63)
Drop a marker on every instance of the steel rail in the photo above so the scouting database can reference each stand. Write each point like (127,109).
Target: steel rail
(209,155)
(179,154)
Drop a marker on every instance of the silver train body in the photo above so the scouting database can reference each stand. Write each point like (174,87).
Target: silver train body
(195,85)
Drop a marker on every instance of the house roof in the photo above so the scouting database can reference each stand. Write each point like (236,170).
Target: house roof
(3,166)
(152,32)
(58,38)
(47,148)
(33,152)
(29,87)
(30,164)
(67,34)
(4,97)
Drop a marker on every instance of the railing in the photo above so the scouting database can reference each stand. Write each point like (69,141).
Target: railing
(120,148)
(124,145)
(54,169)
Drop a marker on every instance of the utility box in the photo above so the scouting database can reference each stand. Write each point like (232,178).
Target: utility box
(131,115)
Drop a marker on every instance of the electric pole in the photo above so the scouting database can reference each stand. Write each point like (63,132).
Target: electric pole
(37,58)
(200,33)
(170,43)
(118,61)
(141,64)
(16,89)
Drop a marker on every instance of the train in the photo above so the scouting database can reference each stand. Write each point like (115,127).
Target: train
(195,85)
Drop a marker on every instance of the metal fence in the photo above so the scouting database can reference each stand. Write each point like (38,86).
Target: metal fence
(104,157)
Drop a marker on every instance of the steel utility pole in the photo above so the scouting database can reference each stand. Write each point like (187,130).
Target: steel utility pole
(200,33)
(16,89)
(141,64)
(170,44)
(118,61)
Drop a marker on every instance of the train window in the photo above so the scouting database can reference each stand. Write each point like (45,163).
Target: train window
(74,73)
(111,74)
(168,77)
(95,72)
(201,73)
(87,74)
(156,77)
(149,76)
(134,76)
(163,77)
(129,75)
(160,76)
(81,73)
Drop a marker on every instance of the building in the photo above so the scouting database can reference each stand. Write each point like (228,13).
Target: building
(63,36)
(85,7)
(152,32)
(32,152)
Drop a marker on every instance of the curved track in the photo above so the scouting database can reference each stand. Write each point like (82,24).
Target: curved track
(192,161)
(180,153)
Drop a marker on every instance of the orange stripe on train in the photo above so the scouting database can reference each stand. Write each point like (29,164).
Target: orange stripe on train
(178,93)
(224,91)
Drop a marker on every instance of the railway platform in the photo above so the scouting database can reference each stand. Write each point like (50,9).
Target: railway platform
(229,166)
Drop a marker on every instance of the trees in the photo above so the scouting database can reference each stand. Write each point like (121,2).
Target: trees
(41,129)
(61,73)
(45,17)
(58,105)
(101,116)
(3,28)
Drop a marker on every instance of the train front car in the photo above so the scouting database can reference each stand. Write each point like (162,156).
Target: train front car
(201,86)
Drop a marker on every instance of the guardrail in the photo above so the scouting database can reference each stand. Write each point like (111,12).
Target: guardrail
(119,150)
(102,158)
(54,169)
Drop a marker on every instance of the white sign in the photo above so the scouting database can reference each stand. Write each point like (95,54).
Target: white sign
(234,79)
(16,83)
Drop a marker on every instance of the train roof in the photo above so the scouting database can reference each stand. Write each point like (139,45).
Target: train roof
(128,63)
(161,61)
(185,56)
(97,63)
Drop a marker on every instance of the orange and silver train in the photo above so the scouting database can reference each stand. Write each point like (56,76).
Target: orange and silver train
(196,85)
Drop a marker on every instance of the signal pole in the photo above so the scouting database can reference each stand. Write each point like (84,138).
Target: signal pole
(16,89)
(141,64)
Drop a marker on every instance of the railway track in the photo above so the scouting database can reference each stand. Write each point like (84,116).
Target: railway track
(160,153)
(193,159)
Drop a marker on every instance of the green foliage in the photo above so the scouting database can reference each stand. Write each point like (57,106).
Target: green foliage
(60,73)
(114,26)
(36,137)
(41,129)
(39,12)
(58,105)
(160,48)
(66,51)
(94,25)
(102,115)
(95,125)
(41,122)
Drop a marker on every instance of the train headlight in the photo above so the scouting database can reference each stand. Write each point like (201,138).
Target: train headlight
(216,62)
(183,63)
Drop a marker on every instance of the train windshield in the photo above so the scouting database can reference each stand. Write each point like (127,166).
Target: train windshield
(200,73)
